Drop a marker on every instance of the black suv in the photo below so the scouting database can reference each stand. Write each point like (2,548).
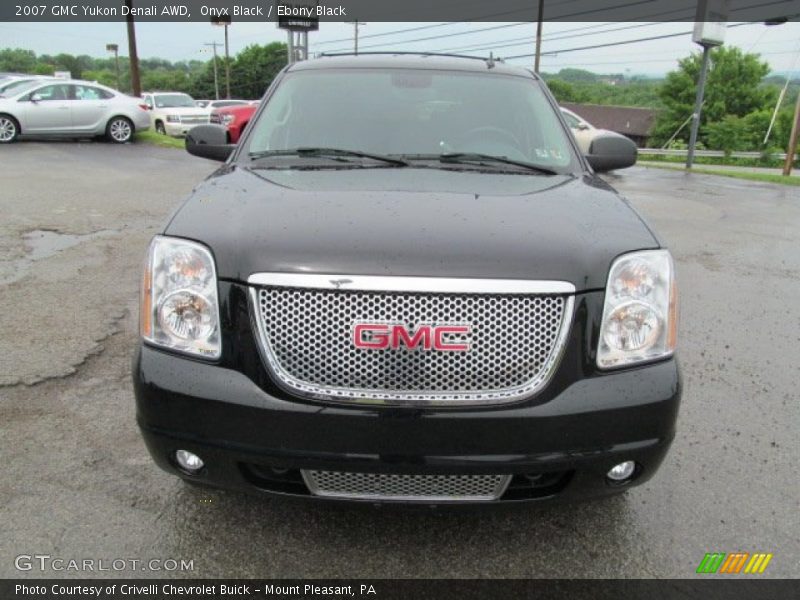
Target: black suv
(406,284)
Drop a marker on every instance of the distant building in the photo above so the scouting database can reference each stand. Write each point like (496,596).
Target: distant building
(633,122)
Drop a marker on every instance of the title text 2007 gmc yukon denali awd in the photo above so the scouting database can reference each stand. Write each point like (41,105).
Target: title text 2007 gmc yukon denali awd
(406,284)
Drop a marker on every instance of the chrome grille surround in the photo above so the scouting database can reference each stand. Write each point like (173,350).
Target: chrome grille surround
(403,487)
(194,119)
(499,368)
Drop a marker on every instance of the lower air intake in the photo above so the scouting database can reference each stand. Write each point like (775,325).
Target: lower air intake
(393,486)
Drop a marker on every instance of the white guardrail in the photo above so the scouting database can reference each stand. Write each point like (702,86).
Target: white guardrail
(711,153)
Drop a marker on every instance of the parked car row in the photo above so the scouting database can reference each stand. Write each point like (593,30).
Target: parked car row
(175,113)
(40,105)
(234,119)
(69,108)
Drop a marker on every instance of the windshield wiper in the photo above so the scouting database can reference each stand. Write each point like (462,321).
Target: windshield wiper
(328,153)
(476,157)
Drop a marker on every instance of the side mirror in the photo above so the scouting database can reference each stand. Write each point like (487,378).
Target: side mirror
(583,126)
(611,151)
(36,98)
(209,141)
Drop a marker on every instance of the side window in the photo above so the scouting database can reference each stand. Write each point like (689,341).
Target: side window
(85,92)
(53,92)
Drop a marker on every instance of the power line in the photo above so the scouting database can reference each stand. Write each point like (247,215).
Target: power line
(398,31)
(638,61)
(434,37)
(687,11)
(494,15)
(529,40)
(621,43)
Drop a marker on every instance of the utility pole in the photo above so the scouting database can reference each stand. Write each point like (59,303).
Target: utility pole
(355,25)
(790,151)
(216,79)
(115,49)
(227,65)
(539,37)
(133,55)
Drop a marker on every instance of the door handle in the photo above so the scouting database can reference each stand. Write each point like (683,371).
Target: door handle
(63,108)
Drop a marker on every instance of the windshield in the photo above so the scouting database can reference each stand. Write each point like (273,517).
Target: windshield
(173,101)
(407,112)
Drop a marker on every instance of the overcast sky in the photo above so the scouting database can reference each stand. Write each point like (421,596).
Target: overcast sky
(778,45)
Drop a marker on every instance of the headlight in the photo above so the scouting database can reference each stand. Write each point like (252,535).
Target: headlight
(640,318)
(173,119)
(228,119)
(180,308)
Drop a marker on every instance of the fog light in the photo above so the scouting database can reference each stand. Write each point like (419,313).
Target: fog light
(189,462)
(622,471)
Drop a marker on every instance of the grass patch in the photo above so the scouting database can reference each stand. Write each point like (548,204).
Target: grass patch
(728,161)
(165,141)
(762,177)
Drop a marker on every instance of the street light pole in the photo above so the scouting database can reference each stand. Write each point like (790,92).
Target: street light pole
(115,49)
(225,21)
(698,106)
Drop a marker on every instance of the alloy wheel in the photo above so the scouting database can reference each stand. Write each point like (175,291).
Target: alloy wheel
(8,130)
(120,130)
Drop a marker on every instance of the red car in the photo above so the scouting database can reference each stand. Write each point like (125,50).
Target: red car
(234,118)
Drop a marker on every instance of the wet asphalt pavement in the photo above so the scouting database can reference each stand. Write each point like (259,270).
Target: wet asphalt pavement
(78,483)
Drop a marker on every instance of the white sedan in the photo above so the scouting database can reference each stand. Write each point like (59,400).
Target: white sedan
(70,108)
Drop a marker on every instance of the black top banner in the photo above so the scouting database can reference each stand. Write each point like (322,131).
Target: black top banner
(398,10)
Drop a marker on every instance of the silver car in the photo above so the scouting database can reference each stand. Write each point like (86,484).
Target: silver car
(70,108)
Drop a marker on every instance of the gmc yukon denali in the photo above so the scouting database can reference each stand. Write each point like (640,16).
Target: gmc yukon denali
(407,284)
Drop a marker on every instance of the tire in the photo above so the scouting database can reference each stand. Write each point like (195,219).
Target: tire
(119,130)
(160,129)
(9,129)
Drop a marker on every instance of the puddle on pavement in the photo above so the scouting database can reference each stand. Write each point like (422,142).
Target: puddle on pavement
(41,244)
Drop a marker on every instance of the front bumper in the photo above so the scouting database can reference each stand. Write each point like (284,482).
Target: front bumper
(252,439)
(179,129)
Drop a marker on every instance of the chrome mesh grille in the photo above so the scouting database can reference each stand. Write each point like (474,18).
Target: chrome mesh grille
(194,119)
(308,342)
(392,486)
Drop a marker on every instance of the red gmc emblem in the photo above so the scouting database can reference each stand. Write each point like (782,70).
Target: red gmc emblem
(385,336)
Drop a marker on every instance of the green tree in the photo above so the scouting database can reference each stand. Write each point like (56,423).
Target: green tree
(17,60)
(255,67)
(575,75)
(566,92)
(732,88)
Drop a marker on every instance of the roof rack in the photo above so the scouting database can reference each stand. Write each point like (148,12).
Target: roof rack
(487,59)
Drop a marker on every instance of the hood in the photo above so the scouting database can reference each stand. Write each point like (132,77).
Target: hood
(412,222)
